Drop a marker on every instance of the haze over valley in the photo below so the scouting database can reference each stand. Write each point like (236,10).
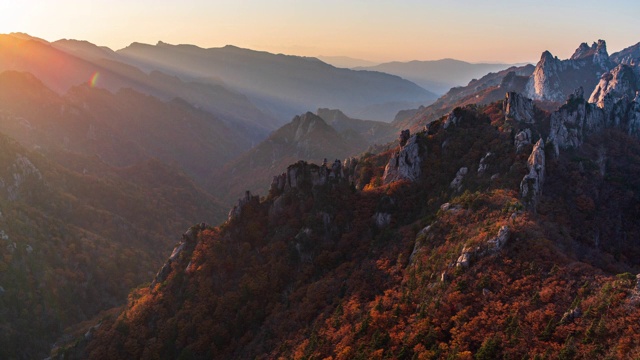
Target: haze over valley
(193,181)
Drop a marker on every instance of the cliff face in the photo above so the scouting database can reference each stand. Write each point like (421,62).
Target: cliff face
(554,79)
(406,164)
(518,107)
(614,85)
(531,185)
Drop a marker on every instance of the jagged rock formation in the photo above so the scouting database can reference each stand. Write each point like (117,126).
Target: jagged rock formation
(404,137)
(531,185)
(188,243)
(628,56)
(307,137)
(614,103)
(518,108)
(493,245)
(451,119)
(305,176)
(616,84)
(573,121)
(522,139)
(482,167)
(554,79)
(236,211)
(456,183)
(498,242)
(405,164)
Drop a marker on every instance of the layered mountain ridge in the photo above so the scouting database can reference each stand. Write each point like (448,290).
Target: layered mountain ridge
(504,252)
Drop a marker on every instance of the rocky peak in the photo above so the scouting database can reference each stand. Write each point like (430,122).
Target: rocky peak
(574,121)
(597,52)
(581,51)
(629,56)
(543,84)
(304,176)
(616,84)
(518,108)
(554,79)
(188,243)
(406,163)
(531,185)
(306,124)
(236,211)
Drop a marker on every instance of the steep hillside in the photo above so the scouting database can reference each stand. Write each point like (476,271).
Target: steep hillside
(485,90)
(307,137)
(437,75)
(283,85)
(74,243)
(374,132)
(489,235)
(121,128)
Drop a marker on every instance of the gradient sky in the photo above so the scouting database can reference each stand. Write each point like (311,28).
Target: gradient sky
(377,30)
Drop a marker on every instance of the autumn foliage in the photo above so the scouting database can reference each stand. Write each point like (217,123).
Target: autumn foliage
(308,274)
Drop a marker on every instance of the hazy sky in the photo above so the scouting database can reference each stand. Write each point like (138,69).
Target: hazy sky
(472,30)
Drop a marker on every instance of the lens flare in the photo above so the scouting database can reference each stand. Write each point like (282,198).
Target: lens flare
(94,79)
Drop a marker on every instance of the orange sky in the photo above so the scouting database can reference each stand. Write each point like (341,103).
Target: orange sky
(490,30)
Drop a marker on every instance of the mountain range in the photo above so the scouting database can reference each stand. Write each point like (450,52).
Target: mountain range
(498,222)
(505,229)
(437,75)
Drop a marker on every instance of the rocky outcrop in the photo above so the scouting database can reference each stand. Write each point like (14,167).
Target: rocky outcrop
(522,139)
(628,56)
(498,242)
(518,108)
(404,137)
(465,257)
(451,119)
(544,83)
(531,185)
(21,170)
(484,165)
(304,177)
(554,79)
(492,246)
(597,54)
(619,83)
(456,183)
(574,121)
(382,219)
(406,163)
(187,244)
(236,211)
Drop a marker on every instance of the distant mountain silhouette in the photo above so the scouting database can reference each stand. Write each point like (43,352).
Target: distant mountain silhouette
(280,84)
(346,61)
(121,128)
(437,75)
(65,64)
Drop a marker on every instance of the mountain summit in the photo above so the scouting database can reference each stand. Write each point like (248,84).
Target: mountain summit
(554,79)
